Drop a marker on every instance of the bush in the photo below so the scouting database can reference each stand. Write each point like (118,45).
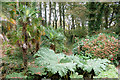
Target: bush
(101,45)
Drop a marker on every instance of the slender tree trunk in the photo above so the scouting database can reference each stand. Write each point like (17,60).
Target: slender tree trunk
(73,27)
(106,13)
(40,9)
(53,23)
(53,11)
(37,41)
(99,17)
(118,18)
(63,16)
(106,20)
(92,15)
(111,20)
(41,13)
(55,16)
(60,14)
(24,47)
(50,13)
(45,13)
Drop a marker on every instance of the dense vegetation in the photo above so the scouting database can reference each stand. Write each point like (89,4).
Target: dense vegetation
(59,40)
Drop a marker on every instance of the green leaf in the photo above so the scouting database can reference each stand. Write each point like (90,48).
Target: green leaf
(54,63)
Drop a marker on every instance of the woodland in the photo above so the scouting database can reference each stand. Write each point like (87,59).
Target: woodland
(59,40)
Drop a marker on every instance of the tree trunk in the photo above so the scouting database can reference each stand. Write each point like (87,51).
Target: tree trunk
(37,46)
(55,16)
(53,24)
(118,19)
(111,20)
(106,20)
(40,15)
(106,13)
(40,9)
(45,14)
(92,16)
(87,76)
(63,16)
(73,27)
(50,13)
(53,11)
(24,47)
(60,14)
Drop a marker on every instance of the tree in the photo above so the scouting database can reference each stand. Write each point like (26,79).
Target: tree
(45,14)
(117,12)
(92,15)
(49,13)
(55,15)
(60,14)
(63,14)
(73,26)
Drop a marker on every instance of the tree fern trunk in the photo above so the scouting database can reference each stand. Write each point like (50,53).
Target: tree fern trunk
(87,76)
(24,48)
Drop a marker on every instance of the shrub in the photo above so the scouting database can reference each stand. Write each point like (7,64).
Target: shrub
(101,45)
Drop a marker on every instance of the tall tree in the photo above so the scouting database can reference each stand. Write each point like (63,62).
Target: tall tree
(63,14)
(60,12)
(92,16)
(55,15)
(73,26)
(40,9)
(117,12)
(53,12)
(45,13)
(40,14)
(106,13)
(49,13)
(99,15)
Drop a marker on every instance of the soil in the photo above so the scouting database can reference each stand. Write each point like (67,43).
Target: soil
(69,52)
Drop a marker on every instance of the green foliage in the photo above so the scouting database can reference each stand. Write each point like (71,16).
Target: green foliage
(77,32)
(97,65)
(36,70)
(75,75)
(55,63)
(62,64)
(101,45)
(16,75)
(54,37)
(111,73)
(80,32)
